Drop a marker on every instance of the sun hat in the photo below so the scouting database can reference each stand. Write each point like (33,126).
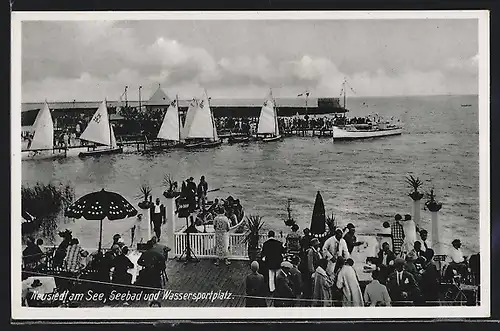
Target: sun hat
(315,241)
(286,264)
(36,283)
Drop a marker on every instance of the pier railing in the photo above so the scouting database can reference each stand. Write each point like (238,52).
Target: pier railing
(203,244)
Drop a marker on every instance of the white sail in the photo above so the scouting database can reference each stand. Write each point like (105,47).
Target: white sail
(113,138)
(267,119)
(189,119)
(44,130)
(98,129)
(276,126)
(202,125)
(169,129)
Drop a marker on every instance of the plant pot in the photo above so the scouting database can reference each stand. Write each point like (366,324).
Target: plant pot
(254,254)
(145,204)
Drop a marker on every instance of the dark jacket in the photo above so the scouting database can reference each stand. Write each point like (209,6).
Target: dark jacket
(284,289)
(162,213)
(296,278)
(429,282)
(407,285)
(313,258)
(390,257)
(273,251)
(255,286)
(202,188)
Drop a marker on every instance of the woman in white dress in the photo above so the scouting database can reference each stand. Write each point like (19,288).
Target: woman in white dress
(347,282)
(410,231)
(221,227)
(138,230)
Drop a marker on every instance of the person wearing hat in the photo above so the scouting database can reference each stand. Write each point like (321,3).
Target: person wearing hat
(334,247)
(116,237)
(296,276)
(411,260)
(456,258)
(255,285)
(202,192)
(401,284)
(350,238)
(191,193)
(313,256)
(284,287)
(30,298)
(397,234)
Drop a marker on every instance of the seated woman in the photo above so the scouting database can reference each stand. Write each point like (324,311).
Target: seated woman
(232,217)
(122,264)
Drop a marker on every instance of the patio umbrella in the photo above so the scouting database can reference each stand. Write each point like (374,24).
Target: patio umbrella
(100,205)
(318,221)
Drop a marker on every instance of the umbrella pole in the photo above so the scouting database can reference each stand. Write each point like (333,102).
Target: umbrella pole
(100,235)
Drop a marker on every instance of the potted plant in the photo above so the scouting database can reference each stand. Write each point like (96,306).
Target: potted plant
(145,193)
(415,183)
(254,225)
(432,205)
(331,222)
(172,187)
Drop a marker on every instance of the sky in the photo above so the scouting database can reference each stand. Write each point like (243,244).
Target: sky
(94,60)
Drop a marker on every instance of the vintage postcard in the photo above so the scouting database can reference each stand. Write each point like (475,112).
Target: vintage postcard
(235,165)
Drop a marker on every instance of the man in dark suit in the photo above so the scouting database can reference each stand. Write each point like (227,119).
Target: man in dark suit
(272,254)
(385,262)
(401,284)
(284,286)
(158,217)
(191,193)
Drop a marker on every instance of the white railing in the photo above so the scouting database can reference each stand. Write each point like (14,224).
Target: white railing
(203,244)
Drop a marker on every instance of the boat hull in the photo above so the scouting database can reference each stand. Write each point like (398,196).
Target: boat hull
(237,140)
(270,139)
(211,144)
(341,134)
(42,155)
(98,152)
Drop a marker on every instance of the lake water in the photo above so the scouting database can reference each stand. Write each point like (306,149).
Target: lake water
(361,181)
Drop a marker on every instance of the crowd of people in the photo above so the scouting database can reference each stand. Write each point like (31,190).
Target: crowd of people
(320,272)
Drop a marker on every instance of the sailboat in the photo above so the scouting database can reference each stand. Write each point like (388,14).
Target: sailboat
(100,131)
(42,145)
(268,121)
(200,126)
(170,129)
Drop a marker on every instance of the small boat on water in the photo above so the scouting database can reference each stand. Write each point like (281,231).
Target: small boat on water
(199,128)
(42,145)
(170,129)
(268,121)
(466,105)
(100,131)
(366,131)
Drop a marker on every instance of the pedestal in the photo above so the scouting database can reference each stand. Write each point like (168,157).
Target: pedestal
(436,246)
(171,223)
(416,213)
(147,223)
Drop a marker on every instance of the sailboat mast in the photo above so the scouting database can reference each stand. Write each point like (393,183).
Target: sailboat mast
(109,124)
(178,113)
